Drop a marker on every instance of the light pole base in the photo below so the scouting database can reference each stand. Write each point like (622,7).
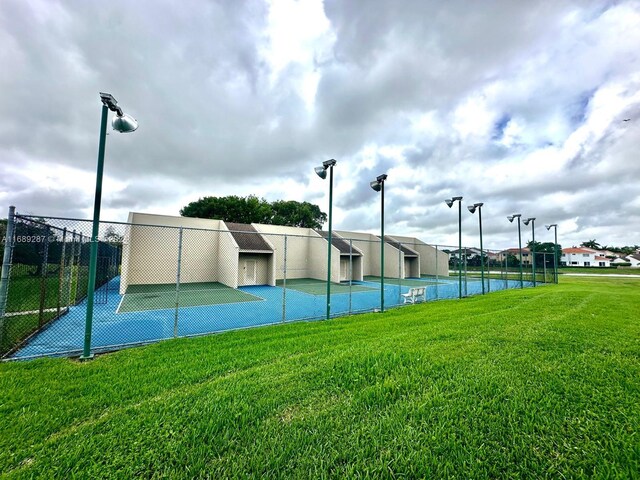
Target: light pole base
(82,358)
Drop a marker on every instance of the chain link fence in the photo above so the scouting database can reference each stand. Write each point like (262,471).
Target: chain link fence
(156,282)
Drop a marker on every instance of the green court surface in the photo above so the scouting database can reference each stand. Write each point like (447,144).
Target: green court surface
(314,286)
(140,298)
(408,282)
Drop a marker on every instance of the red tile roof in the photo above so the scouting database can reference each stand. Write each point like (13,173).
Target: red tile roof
(577,250)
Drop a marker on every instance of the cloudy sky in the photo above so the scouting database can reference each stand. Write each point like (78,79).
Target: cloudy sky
(520,105)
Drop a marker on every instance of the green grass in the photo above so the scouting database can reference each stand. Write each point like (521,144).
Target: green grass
(534,383)
(25,289)
(599,270)
(313,286)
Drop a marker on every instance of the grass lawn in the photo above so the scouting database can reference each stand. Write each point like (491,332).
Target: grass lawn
(529,383)
(599,270)
(25,288)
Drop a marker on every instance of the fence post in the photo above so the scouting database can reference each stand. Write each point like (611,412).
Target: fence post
(488,274)
(6,268)
(466,273)
(506,271)
(350,271)
(43,278)
(70,267)
(437,282)
(61,271)
(175,318)
(400,271)
(284,283)
(77,258)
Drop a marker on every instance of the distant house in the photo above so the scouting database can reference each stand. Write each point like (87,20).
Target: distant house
(634,260)
(583,257)
(526,260)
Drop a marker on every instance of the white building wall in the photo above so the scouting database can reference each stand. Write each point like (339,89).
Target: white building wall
(210,254)
(126,254)
(355,264)
(432,261)
(199,261)
(367,244)
(150,250)
(298,249)
(228,259)
(318,259)
(579,259)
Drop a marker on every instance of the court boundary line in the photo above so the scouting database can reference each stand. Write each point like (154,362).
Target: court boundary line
(259,299)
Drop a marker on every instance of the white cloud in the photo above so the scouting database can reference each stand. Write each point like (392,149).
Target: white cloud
(516,104)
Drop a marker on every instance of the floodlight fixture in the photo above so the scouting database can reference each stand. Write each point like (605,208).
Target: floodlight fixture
(511,218)
(124,124)
(377,183)
(548,227)
(528,220)
(472,208)
(329,163)
(322,173)
(110,102)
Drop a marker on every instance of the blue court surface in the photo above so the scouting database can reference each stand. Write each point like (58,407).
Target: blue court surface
(275,305)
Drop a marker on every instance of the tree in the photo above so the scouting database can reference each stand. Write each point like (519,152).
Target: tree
(252,209)
(512,260)
(232,208)
(591,244)
(295,214)
(112,237)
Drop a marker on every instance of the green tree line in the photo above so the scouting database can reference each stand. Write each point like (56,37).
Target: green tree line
(252,209)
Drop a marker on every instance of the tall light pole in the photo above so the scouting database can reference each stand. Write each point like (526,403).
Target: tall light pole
(511,218)
(378,186)
(472,209)
(322,173)
(533,244)
(450,203)
(124,124)
(555,250)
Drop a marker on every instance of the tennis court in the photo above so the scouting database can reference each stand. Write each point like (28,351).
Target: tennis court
(406,282)
(217,308)
(140,298)
(313,286)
